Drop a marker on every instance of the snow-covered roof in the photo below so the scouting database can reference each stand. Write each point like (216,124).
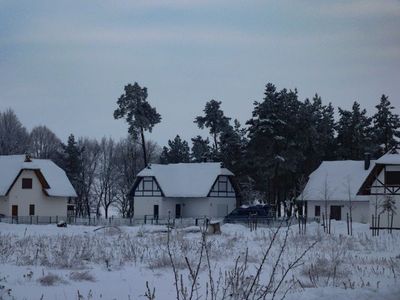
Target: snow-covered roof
(185,179)
(333,180)
(11,166)
(392,157)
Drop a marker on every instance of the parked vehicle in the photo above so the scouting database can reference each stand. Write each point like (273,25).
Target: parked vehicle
(244,214)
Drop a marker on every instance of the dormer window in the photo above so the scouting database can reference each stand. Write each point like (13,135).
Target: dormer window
(392,178)
(27,183)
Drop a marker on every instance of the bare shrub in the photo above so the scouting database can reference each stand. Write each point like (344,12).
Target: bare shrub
(50,280)
(82,276)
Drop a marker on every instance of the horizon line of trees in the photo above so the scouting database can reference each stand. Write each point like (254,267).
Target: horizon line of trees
(283,141)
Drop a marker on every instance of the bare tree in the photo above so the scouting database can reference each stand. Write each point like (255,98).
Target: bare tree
(14,138)
(388,205)
(105,184)
(90,157)
(43,143)
(326,195)
(128,160)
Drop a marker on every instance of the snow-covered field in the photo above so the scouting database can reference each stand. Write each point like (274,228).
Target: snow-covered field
(79,262)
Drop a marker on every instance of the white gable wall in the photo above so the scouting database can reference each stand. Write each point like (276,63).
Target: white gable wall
(3,205)
(360,210)
(190,207)
(44,205)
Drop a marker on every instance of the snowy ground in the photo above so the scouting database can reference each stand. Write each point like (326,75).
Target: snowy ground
(79,262)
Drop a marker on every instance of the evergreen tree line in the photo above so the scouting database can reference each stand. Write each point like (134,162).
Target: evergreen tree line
(280,145)
(285,140)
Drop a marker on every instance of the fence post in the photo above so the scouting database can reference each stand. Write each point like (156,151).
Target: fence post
(145,219)
(50,219)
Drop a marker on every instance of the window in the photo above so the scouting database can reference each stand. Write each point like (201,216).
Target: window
(317,211)
(148,187)
(392,177)
(26,183)
(31,209)
(70,210)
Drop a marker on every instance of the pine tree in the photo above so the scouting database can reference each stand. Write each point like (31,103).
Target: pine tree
(232,145)
(386,124)
(354,133)
(213,119)
(72,164)
(317,129)
(138,113)
(201,150)
(275,139)
(176,152)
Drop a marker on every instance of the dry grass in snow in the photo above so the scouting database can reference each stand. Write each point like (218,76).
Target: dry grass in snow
(139,262)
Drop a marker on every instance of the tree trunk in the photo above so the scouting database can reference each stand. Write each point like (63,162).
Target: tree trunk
(144,148)
(106,211)
(215,143)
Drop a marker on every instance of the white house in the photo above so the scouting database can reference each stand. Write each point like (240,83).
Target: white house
(333,188)
(382,186)
(34,187)
(184,190)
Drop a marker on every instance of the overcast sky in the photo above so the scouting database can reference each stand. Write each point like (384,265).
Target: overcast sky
(64,63)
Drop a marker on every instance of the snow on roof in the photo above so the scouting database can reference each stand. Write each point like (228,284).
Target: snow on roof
(333,180)
(185,179)
(392,157)
(11,165)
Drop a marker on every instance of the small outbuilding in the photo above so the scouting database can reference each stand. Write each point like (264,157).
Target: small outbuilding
(332,189)
(34,187)
(184,190)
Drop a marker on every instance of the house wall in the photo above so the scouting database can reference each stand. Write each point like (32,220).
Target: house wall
(144,205)
(377,201)
(360,209)
(3,205)
(190,207)
(44,205)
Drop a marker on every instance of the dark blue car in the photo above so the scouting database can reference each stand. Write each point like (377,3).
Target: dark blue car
(245,214)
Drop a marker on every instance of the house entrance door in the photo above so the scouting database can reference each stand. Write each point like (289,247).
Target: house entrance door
(155,211)
(178,211)
(336,212)
(14,212)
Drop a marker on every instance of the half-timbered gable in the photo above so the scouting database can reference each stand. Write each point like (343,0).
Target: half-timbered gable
(383,187)
(148,187)
(222,188)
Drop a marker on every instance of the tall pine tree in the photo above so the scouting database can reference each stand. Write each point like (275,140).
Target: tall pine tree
(138,113)
(176,152)
(386,124)
(354,135)
(215,120)
(201,150)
